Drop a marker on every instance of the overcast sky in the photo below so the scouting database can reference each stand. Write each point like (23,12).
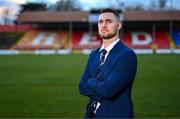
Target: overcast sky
(86,4)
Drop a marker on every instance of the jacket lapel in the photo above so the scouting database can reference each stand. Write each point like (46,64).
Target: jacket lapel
(95,62)
(113,52)
(112,56)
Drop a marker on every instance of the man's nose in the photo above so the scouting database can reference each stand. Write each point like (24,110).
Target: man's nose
(104,25)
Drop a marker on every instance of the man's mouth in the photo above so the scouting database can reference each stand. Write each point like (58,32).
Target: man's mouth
(104,30)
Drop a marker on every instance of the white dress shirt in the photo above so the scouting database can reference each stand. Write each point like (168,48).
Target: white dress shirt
(108,49)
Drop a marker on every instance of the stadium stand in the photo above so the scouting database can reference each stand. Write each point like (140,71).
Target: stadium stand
(7,41)
(77,30)
(176,38)
(15,28)
(43,40)
(84,40)
(10,34)
(138,40)
(146,40)
(162,41)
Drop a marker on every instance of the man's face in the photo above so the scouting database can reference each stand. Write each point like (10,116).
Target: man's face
(108,25)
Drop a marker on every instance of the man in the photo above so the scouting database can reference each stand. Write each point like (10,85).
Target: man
(110,71)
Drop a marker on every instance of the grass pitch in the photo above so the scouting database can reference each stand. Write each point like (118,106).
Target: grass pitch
(47,86)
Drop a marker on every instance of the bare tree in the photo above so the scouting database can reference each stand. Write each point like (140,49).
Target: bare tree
(159,5)
(137,6)
(152,5)
(162,4)
(30,6)
(6,15)
(118,4)
(66,5)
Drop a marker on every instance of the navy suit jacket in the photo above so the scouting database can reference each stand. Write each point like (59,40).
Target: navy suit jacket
(114,90)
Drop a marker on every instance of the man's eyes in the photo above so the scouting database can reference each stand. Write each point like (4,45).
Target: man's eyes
(100,21)
(107,21)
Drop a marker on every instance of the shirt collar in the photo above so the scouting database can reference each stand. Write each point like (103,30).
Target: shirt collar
(110,46)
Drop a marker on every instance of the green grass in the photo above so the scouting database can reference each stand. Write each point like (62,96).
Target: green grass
(156,90)
(47,86)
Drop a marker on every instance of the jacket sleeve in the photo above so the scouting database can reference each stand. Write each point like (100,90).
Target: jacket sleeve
(84,88)
(121,75)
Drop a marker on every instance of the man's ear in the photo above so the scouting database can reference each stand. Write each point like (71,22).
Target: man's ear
(119,25)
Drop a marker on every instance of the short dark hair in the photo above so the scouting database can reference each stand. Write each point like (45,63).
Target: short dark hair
(115,12)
